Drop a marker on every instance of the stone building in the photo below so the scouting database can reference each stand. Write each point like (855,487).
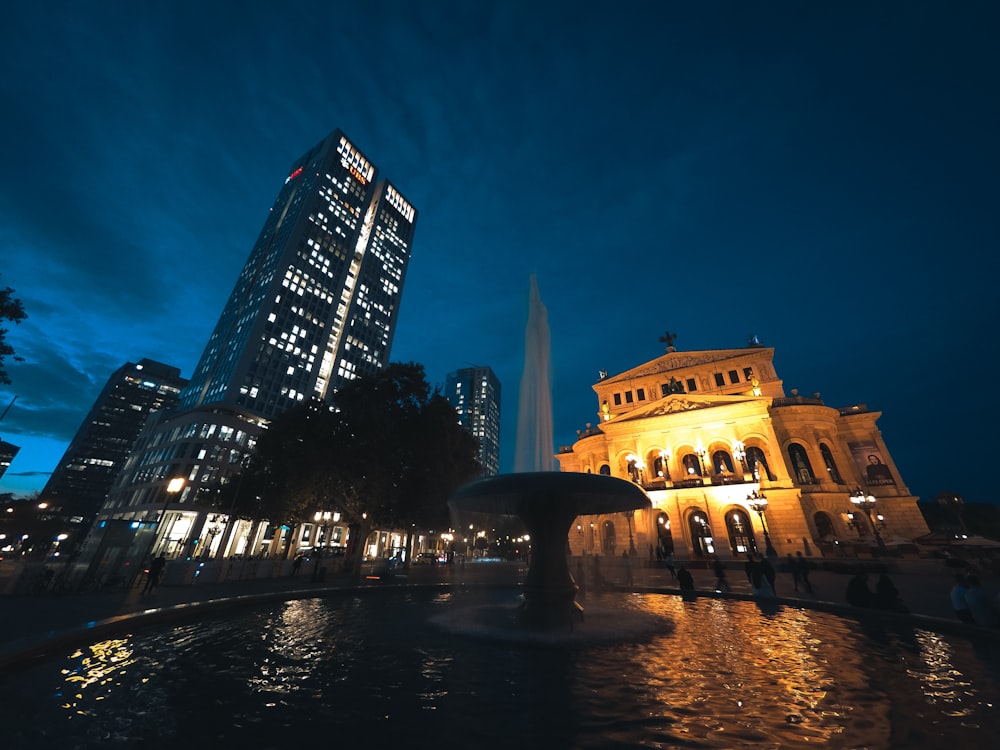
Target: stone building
(732,464)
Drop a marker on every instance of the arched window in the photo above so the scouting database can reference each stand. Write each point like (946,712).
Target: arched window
(831,465)
(722,462)
(824,527)
(605,470)
(741,538)
(608,538)
(660,468)
(801,468)
(664,539)
(692,466)
(702,543)
(758,464)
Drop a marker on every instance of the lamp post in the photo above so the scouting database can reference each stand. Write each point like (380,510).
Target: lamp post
(631,542)
(637,467)
(664,470)
(867,504)
(740,454)
(703,458)
(758,504)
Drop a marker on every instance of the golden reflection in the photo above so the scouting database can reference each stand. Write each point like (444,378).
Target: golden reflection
(940,680)
(742,669)
(296,638)
(96,673)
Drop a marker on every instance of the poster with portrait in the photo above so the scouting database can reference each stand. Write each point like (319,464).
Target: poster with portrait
(872,467)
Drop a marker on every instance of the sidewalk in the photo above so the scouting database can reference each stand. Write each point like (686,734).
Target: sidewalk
(38,622)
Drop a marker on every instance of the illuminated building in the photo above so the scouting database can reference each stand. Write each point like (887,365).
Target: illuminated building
(83,477)
(314,306)
(709,434)
(7,453)
(475,394)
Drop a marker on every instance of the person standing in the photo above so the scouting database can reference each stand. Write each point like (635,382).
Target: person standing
(153,574)
(958,601)
(793,567)
(628,568)
(802,569)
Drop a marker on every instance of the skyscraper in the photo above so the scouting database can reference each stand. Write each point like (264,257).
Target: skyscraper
(317,300)
(98,451)
(475,394)
(314,306)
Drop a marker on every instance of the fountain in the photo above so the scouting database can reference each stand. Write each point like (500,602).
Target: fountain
(356,661)
(546,501)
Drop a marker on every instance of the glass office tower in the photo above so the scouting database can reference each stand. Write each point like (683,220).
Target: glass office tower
(475,394)
(317,301)
(314,306)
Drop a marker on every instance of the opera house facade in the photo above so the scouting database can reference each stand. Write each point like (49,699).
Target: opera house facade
(734,465)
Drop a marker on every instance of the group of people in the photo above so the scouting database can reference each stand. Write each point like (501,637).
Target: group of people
(972,603)
(885,596)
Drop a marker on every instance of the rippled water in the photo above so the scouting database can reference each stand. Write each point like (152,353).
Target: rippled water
(379,668)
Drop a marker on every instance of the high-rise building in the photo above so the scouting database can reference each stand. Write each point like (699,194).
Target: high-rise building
(314,306)
(475,394)
(81,481)
(7,453)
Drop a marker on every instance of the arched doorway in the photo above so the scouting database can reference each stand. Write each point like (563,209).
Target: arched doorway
(608,538)
(664,539)
(702,543)
(741,538)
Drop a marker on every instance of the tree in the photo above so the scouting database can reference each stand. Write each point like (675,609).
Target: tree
(386,452)
(11,309)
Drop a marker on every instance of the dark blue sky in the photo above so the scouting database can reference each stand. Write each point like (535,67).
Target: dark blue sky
(823,175)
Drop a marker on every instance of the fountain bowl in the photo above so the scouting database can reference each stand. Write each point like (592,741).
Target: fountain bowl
(547,502)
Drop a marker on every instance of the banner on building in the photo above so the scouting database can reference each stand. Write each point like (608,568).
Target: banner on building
(871,465)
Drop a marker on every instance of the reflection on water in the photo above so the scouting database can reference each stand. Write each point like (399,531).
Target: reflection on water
(722,674)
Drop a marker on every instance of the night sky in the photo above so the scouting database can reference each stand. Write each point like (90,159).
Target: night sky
(822,175)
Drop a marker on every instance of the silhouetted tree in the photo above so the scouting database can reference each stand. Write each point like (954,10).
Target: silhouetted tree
(11,309)
(386,452)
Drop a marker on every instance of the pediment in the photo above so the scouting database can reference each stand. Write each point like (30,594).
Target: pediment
(682,402)
(675,361)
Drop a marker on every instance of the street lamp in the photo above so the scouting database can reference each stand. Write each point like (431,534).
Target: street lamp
(631,542)
(740,454)
(758,504)
(867,504)
(636,466)
(664,469)
(702,456)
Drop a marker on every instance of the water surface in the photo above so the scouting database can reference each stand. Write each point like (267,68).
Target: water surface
(382,667)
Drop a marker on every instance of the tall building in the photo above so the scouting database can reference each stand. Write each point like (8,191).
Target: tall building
(7,453)
(317,300)
(475,394)
(314,306)
(732,464)
(83,477)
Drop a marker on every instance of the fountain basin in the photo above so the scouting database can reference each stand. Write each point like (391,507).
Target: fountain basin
(547,502)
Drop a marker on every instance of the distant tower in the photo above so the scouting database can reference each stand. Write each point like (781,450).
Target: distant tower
(84,475)
(475,394)
(314,307)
